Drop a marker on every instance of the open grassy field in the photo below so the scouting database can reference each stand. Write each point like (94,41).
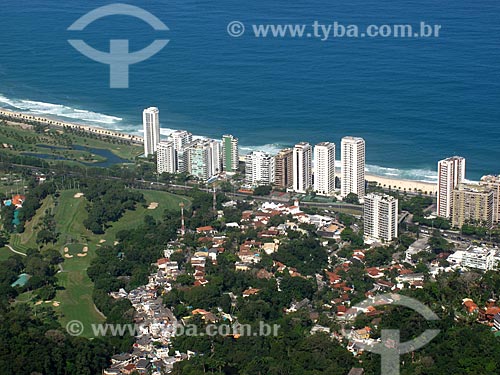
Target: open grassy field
(27,239)
(76,298)
(5,253)
(22,138)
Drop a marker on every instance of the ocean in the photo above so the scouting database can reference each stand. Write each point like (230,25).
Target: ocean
(414,100)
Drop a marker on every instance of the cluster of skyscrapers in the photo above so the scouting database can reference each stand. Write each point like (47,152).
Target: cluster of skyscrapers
(293,168)
(465,202)
(202,158)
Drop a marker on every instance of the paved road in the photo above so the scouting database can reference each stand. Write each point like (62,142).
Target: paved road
(14,251)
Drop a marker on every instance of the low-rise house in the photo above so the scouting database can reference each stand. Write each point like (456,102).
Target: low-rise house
(206,230)
(470,306)
(242,266)
(319,329)
(375,272)
(488,313)
(410,278)
(360,334)
(250,292)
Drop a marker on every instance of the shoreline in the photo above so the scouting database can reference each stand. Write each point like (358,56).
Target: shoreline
(403,185)
(23,118)
(19,117)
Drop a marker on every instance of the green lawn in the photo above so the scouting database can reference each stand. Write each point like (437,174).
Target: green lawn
(76,298)
(27,140)
(27,239)
(5,253)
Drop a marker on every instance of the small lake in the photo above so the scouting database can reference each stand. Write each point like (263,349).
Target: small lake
(111,159)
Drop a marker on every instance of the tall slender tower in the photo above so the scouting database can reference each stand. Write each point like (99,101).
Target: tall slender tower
(283,175)
(151,125)
(181,139)
(451,172)
(353,166)
(230,153)
(381,217)
(302,167)
(324,168)
(165,158)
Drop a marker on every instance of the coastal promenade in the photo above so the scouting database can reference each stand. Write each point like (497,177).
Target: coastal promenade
(19,117)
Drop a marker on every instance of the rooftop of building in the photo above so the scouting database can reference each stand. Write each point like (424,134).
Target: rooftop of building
(381,196)
(473,188)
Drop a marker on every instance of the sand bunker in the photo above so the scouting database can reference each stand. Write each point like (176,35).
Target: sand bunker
(85,249)
(68,256)
(78,195)
(38,303)
(55,304)
(102,241)
(153,206)
(66,249)
(81,255)
(116,243)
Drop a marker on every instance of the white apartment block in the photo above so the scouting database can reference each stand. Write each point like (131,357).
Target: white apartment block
(302,167)
(481,258)
(324,168)
(165,158)
(381,217)
(203,158)
(259,168)
(451,172)
(353,155)
(181,139)
(151,127)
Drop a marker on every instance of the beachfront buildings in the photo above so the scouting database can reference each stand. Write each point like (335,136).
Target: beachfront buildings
(165,158)
(472,203)
(353,155)
(324,168)
(259,168)
(230,153)
(283,170)
(151,127)
(180,139)
(451,172)
(204,158)
(302,167)
(494,183)
(380,217)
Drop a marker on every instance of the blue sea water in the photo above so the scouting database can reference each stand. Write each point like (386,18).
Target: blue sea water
(413,100)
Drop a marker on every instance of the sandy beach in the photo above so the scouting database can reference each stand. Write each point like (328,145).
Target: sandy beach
(18,117)
(404,185)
